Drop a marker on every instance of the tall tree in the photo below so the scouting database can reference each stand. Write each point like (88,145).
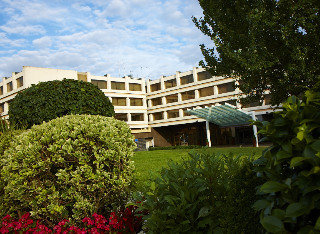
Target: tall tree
(268,44)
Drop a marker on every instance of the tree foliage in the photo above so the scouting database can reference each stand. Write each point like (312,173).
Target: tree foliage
(49,100)
(269,45)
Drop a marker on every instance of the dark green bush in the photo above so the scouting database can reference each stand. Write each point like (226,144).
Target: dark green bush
(204,194)
(71,166)
(291,167)
(49,100)
(177,147)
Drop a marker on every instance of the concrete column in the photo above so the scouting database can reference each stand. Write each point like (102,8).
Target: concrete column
(180,113)
(149,103)
(179,97)
(129,117)
(150,117)
(164,101)
(108,82)
(127,101)
(162,83)
(215,90)
(238,105)
(195,75)
(148,86)
(208,133)
(143,88)
(255,130)
(145,117)
(197,94)
(126,84)
(144,102)
(165,115)
(178,78)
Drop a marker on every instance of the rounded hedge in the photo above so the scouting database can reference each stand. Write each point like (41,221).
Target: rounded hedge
(49,100)
(71,166)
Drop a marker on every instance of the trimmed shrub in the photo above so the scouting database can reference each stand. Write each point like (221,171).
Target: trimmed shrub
(176,147)
(291,167)
(204,194)
(49,100)
(72,166)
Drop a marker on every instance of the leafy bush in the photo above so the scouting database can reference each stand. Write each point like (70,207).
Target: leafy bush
(176,147)
(72,166)
(49,100)
(204,194)
(6,138)
(291,167)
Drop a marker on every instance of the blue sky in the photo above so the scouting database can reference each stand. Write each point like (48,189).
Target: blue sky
(145,38)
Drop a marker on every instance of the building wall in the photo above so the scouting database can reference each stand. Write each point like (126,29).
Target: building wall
(158,109)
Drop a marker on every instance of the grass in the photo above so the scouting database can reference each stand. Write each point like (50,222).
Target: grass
(149,163)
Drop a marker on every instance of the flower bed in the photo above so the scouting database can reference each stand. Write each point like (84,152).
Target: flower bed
(125,221)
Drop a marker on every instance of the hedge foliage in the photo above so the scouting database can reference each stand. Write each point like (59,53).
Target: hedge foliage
(177,147)
(204,194)
(291,166)
(49,100)
(71,166)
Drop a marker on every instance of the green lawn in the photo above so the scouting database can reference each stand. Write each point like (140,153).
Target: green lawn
(147,162)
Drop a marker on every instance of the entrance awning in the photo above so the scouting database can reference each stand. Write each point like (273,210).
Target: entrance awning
(223,115)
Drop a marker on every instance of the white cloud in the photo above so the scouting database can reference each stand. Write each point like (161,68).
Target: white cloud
(142,37)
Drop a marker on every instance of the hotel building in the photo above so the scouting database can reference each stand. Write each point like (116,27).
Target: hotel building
(155,110)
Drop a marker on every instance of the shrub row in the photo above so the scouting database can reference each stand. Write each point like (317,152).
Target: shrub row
(177,147)
(206,193)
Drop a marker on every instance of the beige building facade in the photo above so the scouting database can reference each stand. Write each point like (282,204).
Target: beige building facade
(155,110)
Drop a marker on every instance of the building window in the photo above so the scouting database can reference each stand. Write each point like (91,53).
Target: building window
(20,82)
(1,90)
(117,85)
(1,107)
(135,87)
(185,113)
(136,102)
(9,87)
(173,114)
(155,87)
(186,79)
(188,95)
(172,98)
(121,116)
(156,101)
(101,84)
(137,117)
(252,104)
(204,75)
(170,83)
(119,101)
(158,116)
(208,91)
(226,88)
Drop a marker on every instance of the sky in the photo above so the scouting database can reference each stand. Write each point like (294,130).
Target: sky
(144,38)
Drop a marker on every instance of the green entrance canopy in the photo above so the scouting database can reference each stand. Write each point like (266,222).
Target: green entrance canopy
(223,115)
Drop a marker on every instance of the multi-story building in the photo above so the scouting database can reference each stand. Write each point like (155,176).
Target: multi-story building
(155,110)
